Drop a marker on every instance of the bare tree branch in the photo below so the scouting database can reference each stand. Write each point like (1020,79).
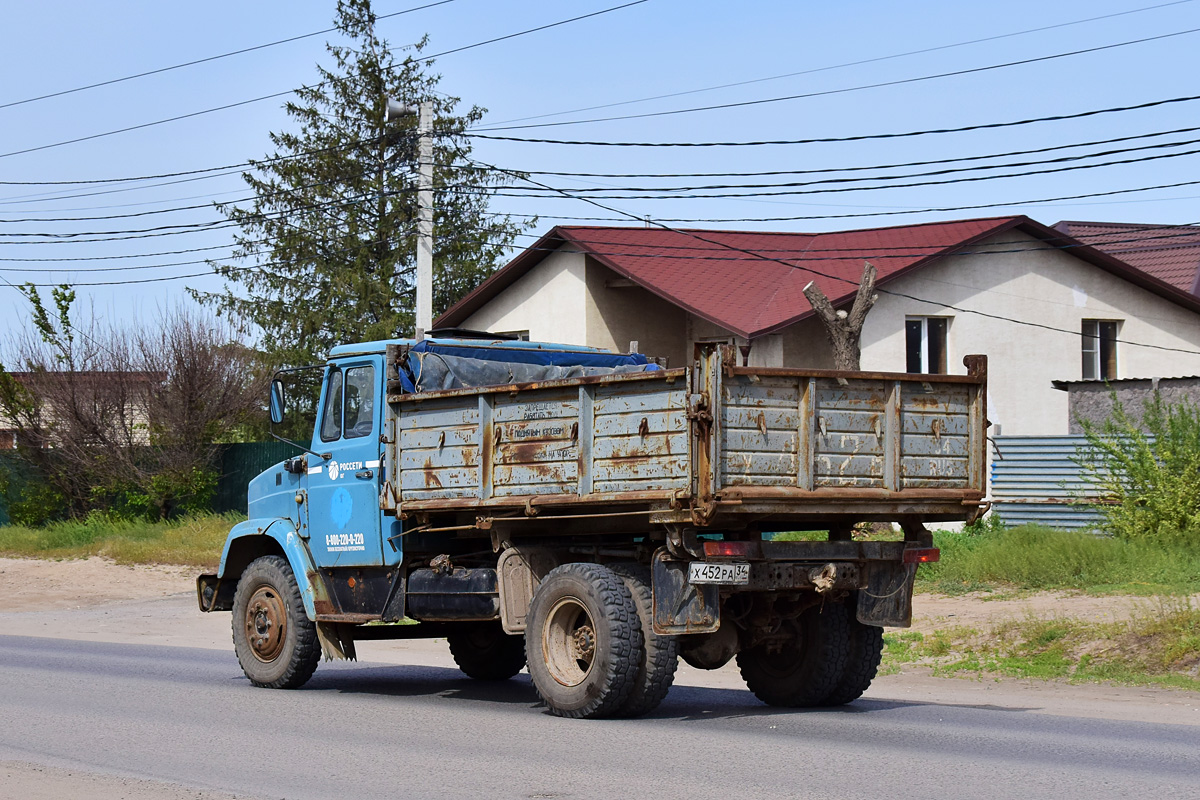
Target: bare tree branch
(844,329)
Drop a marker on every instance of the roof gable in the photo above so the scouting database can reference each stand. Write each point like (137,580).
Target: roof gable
(1170,253)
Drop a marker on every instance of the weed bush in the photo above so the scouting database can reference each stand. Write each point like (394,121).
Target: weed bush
(1148,472)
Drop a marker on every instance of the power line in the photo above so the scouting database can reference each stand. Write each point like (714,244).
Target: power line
(808,253)
(928,210)
(844,65)
(821,170)
(861,137)
(534,30)
(795,187)
(292,91)
(760,256)
(205,60)
(837,139)
(749,186)
(827,92)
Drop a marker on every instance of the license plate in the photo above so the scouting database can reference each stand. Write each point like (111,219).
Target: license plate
(702,572)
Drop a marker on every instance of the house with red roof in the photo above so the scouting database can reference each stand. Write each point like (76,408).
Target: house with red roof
(1168,252)
(1043,305)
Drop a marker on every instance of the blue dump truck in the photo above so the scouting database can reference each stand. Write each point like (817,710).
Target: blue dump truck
(596,516)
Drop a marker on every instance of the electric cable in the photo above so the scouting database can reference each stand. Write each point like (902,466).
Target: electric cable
(846,90)
(206,59)
(956,170)
(761,257)
(292,91)
(836,139)
(858,63)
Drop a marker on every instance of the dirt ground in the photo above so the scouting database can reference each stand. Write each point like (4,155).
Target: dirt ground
(28,584)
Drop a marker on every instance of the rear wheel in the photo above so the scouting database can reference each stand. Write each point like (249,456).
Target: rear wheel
(583,640)
(862,660)
(660,654)
(485,652)
(275,641)
(804,665)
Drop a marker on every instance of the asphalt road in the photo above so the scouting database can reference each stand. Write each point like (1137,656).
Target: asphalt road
(186,716)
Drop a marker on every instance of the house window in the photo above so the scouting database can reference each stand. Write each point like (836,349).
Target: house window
(1099,349)
(925,344)
(522,336)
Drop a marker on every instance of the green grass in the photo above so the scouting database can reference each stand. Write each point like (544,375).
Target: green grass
(1155,647)
(191,541)
(1033,558)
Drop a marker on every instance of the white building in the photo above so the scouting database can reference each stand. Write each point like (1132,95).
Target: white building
(1042,306)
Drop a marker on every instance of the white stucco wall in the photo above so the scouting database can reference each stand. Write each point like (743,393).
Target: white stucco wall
(619,313)
(1046,287)
(549,301)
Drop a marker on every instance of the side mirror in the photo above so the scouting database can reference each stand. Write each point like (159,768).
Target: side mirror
(277,401)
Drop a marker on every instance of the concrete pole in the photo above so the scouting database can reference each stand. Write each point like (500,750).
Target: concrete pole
(425,220)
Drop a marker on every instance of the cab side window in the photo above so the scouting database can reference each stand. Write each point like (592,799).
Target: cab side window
(331,419)
(360,402)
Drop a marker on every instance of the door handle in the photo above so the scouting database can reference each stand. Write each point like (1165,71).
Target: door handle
(365,474)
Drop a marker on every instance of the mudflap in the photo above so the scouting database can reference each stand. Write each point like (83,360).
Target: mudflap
(213,595)
(886,600)
(680,607)
(337,641)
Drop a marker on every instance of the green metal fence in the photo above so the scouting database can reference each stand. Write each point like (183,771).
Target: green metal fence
(236,465)
(241,462)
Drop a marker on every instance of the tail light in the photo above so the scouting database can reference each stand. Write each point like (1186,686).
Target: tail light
(921,555)
(733,549)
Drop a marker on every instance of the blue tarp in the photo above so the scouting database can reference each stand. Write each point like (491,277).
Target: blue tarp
(437,365)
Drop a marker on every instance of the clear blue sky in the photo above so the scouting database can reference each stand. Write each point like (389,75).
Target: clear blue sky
(659,47)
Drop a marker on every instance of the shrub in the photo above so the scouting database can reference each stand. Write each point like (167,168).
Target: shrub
(1149,473)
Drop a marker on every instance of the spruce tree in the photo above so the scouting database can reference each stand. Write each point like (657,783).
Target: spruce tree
(326,252)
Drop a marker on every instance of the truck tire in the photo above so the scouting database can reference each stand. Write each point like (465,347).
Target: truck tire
(485,652)
(807,666)
(275,641)
(862,661)
(660,654)
(583,641)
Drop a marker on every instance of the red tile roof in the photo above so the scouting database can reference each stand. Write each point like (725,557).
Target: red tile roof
(711,274)
(1170,253)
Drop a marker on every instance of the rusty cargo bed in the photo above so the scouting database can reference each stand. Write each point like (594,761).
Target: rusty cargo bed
(713,445)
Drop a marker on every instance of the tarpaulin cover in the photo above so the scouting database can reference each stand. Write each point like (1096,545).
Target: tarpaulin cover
(434,366)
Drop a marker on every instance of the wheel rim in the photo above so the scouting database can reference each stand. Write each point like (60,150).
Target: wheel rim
(266,624)
(569,642)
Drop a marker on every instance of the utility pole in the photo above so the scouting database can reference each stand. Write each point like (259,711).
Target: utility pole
(425,220)
(424,112)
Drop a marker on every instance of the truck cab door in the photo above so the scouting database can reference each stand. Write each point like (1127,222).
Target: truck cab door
(343,490)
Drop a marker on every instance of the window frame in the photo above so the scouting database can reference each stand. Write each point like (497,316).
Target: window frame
(327,406)
(370,388)
(1098,349)
(924,355)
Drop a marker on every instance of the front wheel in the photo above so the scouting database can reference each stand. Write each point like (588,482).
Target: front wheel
(583,640)
(275,641)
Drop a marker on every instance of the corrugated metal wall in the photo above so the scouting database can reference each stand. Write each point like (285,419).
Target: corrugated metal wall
(1034,479)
